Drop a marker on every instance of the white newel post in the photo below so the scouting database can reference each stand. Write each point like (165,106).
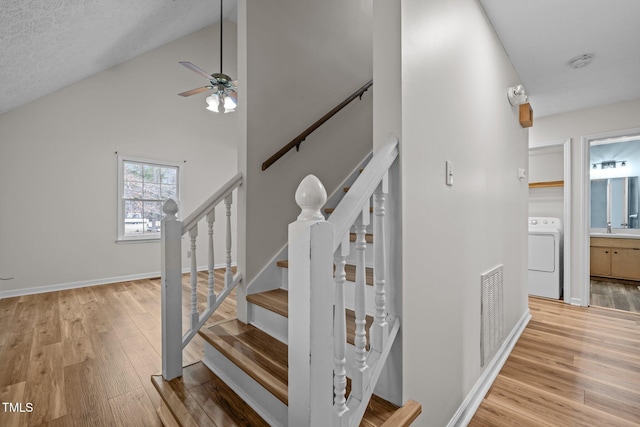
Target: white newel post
(311,296)
(193,235)
(171,293)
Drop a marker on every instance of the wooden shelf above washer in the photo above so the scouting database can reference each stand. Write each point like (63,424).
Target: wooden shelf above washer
(546,184)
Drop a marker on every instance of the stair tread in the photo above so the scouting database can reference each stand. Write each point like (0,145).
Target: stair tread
(265,359)
(349,269)
(277,301)
(261,356)
(200,398)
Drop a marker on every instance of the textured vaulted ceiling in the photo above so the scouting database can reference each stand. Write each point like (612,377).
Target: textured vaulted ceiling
(541,36)
(48,44)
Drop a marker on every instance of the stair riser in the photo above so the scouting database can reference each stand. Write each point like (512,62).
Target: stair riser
(270,408)
(368,254)
(272,323)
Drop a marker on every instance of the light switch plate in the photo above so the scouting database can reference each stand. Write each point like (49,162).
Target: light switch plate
(449,172)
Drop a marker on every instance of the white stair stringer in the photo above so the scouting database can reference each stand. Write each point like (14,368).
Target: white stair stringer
(269,407)
(270,322)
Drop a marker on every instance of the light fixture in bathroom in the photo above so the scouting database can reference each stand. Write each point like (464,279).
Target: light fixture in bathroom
(609,164)
(581,61)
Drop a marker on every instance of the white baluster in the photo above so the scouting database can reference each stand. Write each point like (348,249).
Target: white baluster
(193,233)
(361,370)
(380,327)
(228,275)
(340,409)
(171,292)
(211,297)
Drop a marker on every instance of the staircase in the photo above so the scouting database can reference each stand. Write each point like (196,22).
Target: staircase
(307,356)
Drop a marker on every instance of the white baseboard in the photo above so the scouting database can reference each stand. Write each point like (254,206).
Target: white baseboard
(470,405)
(93,282)
(576,301)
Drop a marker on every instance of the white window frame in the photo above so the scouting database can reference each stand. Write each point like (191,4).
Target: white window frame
(121,238)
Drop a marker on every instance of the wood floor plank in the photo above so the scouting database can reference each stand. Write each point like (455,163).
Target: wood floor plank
(7,309)
(134,409)
(16,350)
(90,405)
(13,393)
(145,361)
(115,372)
(47,325)
(45,384)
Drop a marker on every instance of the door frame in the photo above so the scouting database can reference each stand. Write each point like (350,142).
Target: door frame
(566,220)
(584,200)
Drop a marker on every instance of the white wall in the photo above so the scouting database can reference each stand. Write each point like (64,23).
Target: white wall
(297,61)
(546,164)
(576,125)
(455,75)
(58,165)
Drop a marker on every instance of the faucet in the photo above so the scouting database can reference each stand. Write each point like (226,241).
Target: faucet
(609,227)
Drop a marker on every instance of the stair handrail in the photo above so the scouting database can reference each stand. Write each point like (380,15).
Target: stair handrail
(295,142)
(318,249)
(172,232)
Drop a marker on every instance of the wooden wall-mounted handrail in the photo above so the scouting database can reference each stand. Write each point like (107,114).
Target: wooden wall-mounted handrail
(295,142)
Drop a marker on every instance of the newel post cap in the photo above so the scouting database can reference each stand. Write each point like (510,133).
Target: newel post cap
(170,208)
(311,197)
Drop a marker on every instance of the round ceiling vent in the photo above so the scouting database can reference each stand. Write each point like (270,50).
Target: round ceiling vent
(581,61)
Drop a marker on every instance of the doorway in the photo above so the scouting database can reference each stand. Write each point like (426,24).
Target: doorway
(614,228)
(546,191)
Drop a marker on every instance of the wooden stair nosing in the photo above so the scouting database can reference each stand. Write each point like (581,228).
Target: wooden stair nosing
(201,393)
(277,301)
(350,270)
(247,347)
(404,416)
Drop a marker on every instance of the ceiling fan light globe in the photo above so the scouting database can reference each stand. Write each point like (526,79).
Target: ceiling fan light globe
(229,104)
(213,102)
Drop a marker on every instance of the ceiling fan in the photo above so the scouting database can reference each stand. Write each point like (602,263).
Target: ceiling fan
(224,98)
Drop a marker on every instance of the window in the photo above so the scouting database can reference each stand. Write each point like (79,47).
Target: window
(143,187)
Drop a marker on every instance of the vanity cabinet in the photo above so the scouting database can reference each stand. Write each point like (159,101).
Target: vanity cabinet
(616,258)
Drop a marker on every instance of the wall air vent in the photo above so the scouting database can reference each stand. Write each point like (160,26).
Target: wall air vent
(491,313)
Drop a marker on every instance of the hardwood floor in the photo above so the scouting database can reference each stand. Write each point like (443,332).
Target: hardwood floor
(618,294)
(85,357)
(572,366)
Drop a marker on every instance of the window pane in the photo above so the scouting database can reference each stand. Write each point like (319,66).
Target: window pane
(133,218)
(152,174)
(169,175)
(168,192)
(132,172)
(132,190)
(153,214)
(151,191)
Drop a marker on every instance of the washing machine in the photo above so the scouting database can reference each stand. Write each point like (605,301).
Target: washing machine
(545,257)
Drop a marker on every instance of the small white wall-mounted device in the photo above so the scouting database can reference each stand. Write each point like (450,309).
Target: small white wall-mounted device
(449,172)
(522,174)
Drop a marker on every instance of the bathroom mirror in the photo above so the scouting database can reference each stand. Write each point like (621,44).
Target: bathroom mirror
(615,200)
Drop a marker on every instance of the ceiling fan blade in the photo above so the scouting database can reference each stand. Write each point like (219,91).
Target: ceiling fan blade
(196,69)
(195,91)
